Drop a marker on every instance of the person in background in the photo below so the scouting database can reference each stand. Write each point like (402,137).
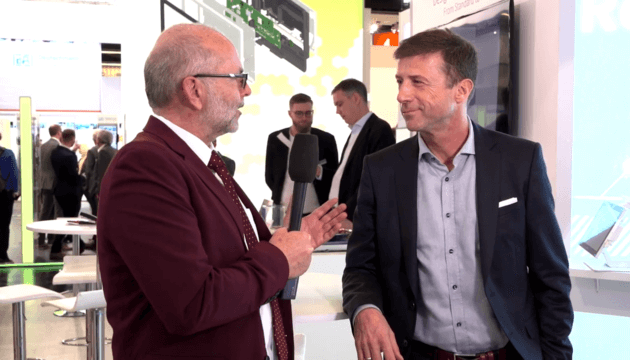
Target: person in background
(279,147)
(88,171)
(83,151)
(369,134)
(49,209)
(68,188)
(10,192)
(105,154)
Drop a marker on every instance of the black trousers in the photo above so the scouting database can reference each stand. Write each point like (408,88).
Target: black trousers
(6,211)
(50,210)
(93,201)
(70,206)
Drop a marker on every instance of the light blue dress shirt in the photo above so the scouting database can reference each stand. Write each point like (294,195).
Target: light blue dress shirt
(453,310)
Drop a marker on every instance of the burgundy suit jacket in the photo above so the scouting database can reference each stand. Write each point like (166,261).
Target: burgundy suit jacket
(177,278)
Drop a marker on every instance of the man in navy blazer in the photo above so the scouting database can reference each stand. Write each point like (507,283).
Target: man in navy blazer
(368,134)
(277,160)
(189,268)
(68,186)
(456,251)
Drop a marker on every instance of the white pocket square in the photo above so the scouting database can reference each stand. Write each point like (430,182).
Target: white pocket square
(507,202)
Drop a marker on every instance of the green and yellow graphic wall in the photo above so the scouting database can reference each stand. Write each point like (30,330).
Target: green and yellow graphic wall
(337,55)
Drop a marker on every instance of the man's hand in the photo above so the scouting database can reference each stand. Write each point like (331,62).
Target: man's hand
(323,223)
(297,247)
(373,336)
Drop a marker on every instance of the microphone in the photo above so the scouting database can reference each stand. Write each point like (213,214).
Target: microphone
(302,170)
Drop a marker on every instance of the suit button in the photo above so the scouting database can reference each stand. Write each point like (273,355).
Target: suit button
(412,306)
(405,343)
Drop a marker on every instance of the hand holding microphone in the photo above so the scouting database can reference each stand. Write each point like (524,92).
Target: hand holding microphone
(318,227)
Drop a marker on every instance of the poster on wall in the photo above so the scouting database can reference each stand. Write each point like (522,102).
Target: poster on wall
(431,13)
(57,75)
(285,49)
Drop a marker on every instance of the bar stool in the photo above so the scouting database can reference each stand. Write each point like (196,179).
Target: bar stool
(94,302)
(76,270)
(17,295)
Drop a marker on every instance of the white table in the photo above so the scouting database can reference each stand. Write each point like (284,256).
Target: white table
(95,321)
(318,299)
(62,227)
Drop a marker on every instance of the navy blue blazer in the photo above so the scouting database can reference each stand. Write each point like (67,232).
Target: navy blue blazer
(523,260)
(66,168)
(375,135)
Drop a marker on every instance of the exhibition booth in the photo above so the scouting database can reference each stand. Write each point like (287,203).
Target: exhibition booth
(549,71)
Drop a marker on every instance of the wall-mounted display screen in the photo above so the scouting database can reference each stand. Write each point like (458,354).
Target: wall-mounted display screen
(57,75)
(491,104)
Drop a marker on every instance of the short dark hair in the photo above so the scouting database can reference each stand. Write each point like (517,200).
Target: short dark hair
(300,99)
(54,129)
(67,135)
(350,86)
(460,56)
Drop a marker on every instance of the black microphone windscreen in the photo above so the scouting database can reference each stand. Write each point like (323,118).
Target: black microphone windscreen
(303,158)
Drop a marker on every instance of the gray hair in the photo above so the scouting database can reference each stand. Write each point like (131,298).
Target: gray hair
(170,62)
(105,137)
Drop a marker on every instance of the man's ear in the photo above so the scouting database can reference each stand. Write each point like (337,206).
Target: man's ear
(464,90)
(192,93)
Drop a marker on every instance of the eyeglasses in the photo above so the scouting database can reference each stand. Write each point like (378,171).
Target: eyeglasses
(243,77)
(302,113)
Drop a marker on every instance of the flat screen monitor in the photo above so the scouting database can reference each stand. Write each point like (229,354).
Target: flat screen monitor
(491,105)
(603,229)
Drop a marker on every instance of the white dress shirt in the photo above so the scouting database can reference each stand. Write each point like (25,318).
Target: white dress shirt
(204,152)
(310,202)
(354,134)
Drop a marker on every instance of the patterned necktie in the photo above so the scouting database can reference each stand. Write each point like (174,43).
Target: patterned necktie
(279,335)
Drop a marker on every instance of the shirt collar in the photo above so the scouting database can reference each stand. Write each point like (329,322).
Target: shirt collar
(468,148)
(100,148)
(57,140)
(359,124)
(203,151)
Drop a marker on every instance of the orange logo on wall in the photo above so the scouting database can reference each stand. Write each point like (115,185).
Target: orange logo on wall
(381,39)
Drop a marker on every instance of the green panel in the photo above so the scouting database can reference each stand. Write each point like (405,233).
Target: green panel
(264,25)
(481,115)
(26,178)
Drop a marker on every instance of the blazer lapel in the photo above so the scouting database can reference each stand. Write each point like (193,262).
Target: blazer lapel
(488,161)
(343,152)
(170,140)
(406,170)
(358,143)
